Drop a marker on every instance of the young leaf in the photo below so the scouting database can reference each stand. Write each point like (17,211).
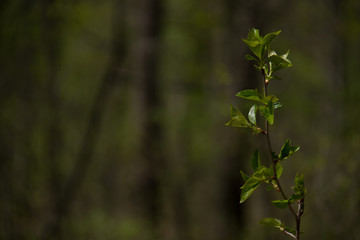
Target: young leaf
(273,222)
(299,188)
(249,187)
(252,114)
(266,41)
(255,161)
(265,172)
(254,34)
(299,180)
(277,105)
(251,94)
(244,176)
(277,62)
(237,119)
(279,170)
(270,37)
(255,130)
(287,150)
(254,42)
(250,58)
(280,203)
(269,99)
(268,113)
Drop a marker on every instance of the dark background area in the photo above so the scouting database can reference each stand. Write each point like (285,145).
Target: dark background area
(112,118)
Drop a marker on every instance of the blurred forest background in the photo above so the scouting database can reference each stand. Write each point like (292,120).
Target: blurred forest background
(112,121)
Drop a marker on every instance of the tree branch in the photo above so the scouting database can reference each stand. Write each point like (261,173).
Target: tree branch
(297,216)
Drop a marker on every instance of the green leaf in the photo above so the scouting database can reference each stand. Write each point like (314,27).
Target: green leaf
(268,113)
(252,114)
(269,99)
(299,180)
(280,203)
(265,173)
(254,34)
(287,150)
(255,161)
(244,176)
(254,42)
(279,170)
(237,118)
(251,94)
(277,62)
(270,37)
(268,110)
(250,58)
(273,222)
(295,196)
(234,111)
(294,149)
(255,130)
(267,40)
(277,105)
(299,188)
(249,187)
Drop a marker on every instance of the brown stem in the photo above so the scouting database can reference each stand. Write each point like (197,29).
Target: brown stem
(297,216)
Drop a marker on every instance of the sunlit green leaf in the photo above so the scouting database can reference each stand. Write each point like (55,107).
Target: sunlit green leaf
(287,150)
(254,34)
(279,170)
(251,94)
(269,221)
(255,130)
(269,99)
(277,62)
(252,114)
(265,173)
(268,113)
(277,105)
(249,187)
(237,118)
(299,188)
(267,40)
(254,42)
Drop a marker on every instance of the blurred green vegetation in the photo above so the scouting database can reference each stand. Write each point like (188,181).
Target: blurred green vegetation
(112,121)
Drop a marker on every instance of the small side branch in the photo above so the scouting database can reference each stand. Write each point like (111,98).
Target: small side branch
(288,233)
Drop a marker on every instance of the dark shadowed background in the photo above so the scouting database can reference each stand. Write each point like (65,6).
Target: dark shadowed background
(112,118)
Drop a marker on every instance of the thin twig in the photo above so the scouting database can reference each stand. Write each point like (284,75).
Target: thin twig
(297,216)
(289,233)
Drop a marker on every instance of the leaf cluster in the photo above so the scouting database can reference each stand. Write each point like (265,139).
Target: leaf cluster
(265,105)
(268,64)
(264,174)
(266,59)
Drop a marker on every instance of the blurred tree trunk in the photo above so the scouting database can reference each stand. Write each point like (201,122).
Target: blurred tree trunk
(150,26)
